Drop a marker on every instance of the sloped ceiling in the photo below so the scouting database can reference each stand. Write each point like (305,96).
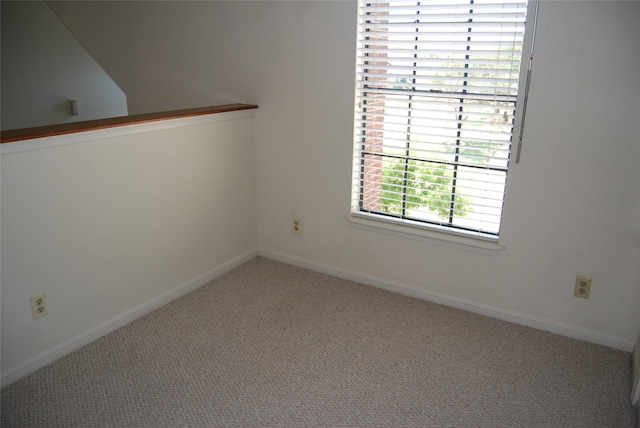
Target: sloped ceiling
(167,55)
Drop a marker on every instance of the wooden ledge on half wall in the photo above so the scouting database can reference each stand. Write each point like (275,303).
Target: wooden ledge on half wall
(92,125)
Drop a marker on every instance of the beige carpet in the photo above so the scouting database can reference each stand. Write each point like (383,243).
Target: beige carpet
(273,345)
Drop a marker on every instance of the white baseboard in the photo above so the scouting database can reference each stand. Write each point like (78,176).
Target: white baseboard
(59,351)
(478,308)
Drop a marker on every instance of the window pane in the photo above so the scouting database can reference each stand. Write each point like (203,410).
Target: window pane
(437,86)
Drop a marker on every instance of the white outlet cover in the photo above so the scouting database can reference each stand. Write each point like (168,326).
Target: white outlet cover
(296,225)
(39,306)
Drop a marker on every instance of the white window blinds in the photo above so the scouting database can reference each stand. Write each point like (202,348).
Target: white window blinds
(437,82)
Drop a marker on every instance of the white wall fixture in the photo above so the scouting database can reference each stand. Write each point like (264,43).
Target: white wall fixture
(39,306)
(72,107)
(296,224)
(583,287)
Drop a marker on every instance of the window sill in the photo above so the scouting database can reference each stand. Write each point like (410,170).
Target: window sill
(475,242)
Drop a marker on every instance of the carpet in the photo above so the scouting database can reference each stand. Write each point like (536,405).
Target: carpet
(269,344)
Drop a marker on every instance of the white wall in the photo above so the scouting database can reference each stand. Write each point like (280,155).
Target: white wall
(116,223)
(572,203)
(43,66)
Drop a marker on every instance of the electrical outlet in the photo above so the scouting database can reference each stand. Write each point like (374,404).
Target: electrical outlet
(583,287)
(296,225)
(39,306)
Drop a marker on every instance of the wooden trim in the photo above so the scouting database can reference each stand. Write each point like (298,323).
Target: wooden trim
(92,125)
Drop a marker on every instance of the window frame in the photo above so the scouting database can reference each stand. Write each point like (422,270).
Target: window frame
(405,226)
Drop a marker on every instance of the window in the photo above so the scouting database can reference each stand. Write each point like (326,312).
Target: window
(437,83)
